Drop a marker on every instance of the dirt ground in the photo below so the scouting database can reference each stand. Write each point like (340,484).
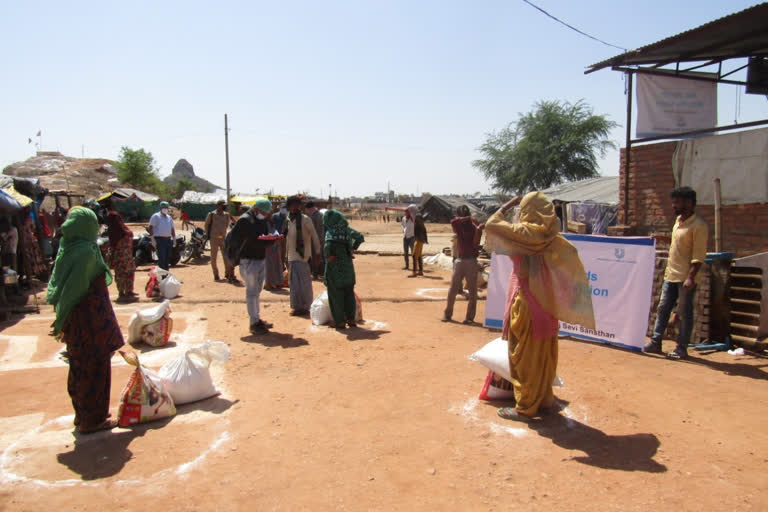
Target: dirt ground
(383,417)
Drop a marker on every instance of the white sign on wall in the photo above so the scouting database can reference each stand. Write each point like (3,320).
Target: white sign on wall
(620,274)
(668,105)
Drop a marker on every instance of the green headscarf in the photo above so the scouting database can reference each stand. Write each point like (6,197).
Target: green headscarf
(337,230)
(78,263)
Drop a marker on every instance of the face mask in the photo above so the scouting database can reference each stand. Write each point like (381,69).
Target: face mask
(283,212)
(164,211)
(260,216)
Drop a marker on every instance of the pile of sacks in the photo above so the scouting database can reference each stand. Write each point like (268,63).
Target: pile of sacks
(151,395)
(162,282)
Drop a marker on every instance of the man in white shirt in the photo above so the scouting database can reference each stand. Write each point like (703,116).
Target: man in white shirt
(300,233)
(409,235)
(163,233)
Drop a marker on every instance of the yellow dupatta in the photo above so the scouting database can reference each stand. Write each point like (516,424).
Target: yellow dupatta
(556,275)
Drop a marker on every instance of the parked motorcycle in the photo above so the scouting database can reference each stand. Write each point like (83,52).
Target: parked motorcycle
(196,245)
(144,252)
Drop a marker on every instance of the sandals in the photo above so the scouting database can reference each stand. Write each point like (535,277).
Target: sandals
(510,413)
(104,425)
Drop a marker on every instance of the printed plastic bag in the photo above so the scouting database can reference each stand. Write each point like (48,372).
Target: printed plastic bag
(144,397)
(496,388)
(153,326)
(495,356)
(188,378)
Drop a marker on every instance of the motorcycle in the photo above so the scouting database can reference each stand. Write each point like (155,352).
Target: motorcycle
(196,245)
(144,252)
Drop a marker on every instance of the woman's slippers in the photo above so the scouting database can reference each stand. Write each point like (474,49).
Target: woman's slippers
(510,413)
(104,425)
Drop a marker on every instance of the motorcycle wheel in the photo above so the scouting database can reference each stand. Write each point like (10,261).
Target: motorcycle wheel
(187,253)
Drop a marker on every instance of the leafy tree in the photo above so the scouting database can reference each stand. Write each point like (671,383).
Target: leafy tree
(182,186)
(553,143)
(137,168)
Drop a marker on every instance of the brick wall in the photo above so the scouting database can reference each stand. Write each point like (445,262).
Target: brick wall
(745,226)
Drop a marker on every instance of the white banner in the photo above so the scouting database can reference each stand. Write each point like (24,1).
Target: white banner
(668,105)
(620,273)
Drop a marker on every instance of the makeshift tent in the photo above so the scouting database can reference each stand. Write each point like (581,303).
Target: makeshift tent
(133,205)
(8,204)
(443,208)
(198,204)
(592,202)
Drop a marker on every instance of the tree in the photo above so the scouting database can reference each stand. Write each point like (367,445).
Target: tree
(137,168)
(553,143)
(182,186)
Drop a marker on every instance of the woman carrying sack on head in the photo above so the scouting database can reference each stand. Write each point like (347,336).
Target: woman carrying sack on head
(548,284)
(340,241)
(85,320)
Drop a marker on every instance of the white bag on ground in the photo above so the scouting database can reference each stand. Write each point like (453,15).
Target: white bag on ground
(320,311)
(152,325)
(187,377)
(169,284)
(495,357)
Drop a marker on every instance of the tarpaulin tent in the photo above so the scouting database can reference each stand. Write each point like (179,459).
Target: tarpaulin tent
(134,205)
(199,204)
(443,209)
(8,204)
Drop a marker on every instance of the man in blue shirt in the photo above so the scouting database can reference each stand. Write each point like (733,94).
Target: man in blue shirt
(163,234)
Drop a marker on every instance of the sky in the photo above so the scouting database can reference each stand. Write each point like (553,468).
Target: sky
(356,95)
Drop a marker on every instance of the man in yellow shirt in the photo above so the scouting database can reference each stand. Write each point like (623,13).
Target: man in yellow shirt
(687,253)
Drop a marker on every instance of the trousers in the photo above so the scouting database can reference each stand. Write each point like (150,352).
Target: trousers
(672,293)
(407,244)
(463,268)
(217,244)
(253,273)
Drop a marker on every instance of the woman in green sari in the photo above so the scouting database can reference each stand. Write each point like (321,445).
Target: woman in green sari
(340,241)
(85,320)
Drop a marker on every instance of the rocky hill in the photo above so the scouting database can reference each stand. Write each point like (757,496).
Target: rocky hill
(184,170)
(88,176)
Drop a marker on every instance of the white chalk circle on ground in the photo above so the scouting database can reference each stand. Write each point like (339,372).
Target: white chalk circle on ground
(432,293)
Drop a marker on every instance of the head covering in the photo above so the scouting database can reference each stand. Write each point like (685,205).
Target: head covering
(263,204)
(221,202)
(116,228)
(555,272)
(337,230)
(78,263)
(164,204)
(413,210)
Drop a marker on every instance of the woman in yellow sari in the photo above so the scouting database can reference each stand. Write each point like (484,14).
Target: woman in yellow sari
(548,284)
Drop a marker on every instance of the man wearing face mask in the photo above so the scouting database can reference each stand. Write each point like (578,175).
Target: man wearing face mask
(301,241)
(244,240)
(163,234)
(216,226)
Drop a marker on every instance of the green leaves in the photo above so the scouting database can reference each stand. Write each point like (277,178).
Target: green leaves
(553,143)
(137,168)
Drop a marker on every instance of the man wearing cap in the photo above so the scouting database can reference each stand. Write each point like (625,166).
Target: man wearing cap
(163,234)
(248,251)
(216,227)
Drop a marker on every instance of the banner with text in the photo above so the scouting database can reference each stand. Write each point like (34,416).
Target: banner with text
(668,105)
(620,273)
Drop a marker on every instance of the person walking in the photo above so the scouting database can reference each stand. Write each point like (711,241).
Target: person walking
(120,256)
(340,242)
(468,235)
(301,242)
(409,238)
(85,320)
(312,211)
(548,284)
(163,233)
(687,252)
(248,251)
(216,227)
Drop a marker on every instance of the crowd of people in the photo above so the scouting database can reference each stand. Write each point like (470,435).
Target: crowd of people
(548,284)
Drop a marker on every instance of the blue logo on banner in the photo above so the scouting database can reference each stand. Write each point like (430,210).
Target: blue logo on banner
(619,253)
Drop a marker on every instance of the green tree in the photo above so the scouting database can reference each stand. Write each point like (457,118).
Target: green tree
(182,186)
(136,167)
(553,143)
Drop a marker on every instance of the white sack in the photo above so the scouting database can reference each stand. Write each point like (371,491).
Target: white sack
(495,357)
(146,317)
(187,377)
(320,311)
(169,285)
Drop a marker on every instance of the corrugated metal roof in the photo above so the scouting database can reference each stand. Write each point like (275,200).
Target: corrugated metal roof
(599,190)
(741,34)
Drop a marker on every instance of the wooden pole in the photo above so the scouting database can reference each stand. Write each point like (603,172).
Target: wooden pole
(628,149)
(718,217)
(226,151)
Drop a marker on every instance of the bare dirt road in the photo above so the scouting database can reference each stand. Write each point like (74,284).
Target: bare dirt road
(384,417)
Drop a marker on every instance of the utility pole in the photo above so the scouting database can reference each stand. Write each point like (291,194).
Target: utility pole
(226,151)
